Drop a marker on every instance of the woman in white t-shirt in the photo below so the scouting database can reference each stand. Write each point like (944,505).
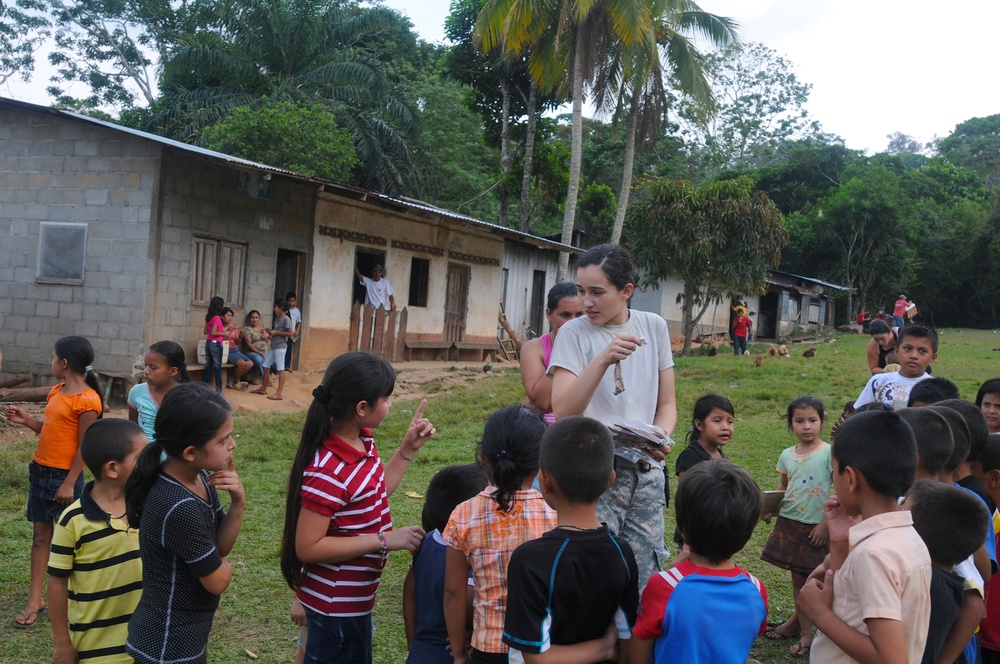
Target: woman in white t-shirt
(584,383)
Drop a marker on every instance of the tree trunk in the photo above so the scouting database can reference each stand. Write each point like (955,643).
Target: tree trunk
(623,194)
(576,148)
(505,156)
(524,220)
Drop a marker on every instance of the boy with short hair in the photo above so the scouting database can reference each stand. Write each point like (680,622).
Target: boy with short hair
(296,317)
(574,591)
(705,609)
(935,444)
(95,573)
(931,391)
(952,523)
(871,604)
(915,350)
(988,400)
(423,589)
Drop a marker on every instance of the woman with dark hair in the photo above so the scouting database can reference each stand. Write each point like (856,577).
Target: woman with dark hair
(881,346)
(563,305)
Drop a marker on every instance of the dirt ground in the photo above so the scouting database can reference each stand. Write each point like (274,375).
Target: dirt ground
(412,381)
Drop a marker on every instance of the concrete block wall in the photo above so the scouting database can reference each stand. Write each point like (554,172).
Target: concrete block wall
(63,170)
(199,197)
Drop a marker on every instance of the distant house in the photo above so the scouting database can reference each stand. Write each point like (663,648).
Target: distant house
(792,306)
(123,237)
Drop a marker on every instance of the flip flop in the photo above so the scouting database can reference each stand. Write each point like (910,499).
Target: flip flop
(275,397)
(772,634)
(30,618)
(800,650)
(261,391)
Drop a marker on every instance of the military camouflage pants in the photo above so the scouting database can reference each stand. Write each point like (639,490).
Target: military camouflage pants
(633,509)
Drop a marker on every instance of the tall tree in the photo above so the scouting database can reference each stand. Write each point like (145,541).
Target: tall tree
(24,25)
(719,239)
(299,51)
(760,104)
(560,32)
(975,145)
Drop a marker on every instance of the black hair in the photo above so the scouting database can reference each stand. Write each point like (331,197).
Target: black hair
(878,326)
(935,442)
(717,507)
(579,454)
(849,407)
(558,292)
(226,310)
(108,440)
(280,302)
(959,434)
(215,306)
(350,378)
(873,407)
(932,390)
(190,415)
(509,448)
(880,446)
(174,355)
(951,521)
(803,402)
(616,263)
(974,419)
(992,386)
(251,313)
(918,332)
(989,458)
(703,407)
(79,356)
(450,486)
(290,294)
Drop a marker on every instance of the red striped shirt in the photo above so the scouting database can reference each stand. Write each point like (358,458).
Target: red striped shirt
(349,487)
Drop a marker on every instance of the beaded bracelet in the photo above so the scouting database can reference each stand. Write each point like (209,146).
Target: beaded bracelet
(400,451)
(383,550)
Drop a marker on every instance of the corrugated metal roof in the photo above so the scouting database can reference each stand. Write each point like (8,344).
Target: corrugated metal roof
(254,165)
(813,280)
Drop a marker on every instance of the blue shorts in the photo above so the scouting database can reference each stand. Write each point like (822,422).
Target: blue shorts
(338,640)
(43,484)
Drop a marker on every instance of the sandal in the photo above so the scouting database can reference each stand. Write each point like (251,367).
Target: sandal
(772,633)
(275,397)
(29,618)
(260,391)
(800,650)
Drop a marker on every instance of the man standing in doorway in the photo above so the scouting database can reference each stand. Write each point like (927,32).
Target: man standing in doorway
(378,291)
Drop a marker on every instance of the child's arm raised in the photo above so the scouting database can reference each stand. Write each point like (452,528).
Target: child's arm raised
(228,481)
(419,431)
(64,652)
(885,642)
(456,580)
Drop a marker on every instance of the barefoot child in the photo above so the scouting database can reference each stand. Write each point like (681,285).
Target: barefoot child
(56,468)
(799,540)
(95,574)
(485,530)
(184,534)
(164,367)
(338,529)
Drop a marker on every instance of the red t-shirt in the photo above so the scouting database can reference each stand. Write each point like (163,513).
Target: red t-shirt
(741,326)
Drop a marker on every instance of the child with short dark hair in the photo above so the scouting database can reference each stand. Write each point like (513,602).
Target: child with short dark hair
(952,523)
(847,412)
(935,443)
(988,400)
(931,391)
(916,349)
(574,591)
(871,603)
(423,589)
(295,315)
(95,572)
(683,609)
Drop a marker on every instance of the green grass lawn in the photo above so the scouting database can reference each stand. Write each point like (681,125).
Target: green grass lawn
(254,614)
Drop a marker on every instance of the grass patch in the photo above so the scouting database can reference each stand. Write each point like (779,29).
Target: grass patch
(254,613)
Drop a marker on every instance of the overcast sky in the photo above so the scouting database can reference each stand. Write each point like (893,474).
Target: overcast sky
(876,66)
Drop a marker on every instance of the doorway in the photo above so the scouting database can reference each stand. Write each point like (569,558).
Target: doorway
(288,273)
(366,260)
(456,303)
(537,315)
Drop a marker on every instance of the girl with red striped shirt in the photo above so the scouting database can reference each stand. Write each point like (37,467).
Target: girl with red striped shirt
(338,530)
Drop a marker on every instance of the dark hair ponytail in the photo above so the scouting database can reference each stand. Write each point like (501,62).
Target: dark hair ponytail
(172,352)
(190,415)
(509,448)
(703,407)
(79,356)
(215,306)
(349,379)
(558,292)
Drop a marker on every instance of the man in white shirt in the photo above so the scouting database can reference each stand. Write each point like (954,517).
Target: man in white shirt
(378,291)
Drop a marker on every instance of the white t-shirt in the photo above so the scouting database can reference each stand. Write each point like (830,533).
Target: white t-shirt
(377,292)
(296,317)
(578,342)
(888,389)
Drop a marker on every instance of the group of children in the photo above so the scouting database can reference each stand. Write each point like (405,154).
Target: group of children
(518,552)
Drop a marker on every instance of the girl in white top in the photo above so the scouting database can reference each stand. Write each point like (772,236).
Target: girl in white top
(583,383)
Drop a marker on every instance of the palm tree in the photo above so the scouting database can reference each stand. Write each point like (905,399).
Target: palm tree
(634,77)
(557,32)
(299,51)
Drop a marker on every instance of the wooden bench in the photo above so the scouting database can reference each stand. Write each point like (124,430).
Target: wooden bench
(483,350)
(199,369)
(438,346)
(108,380)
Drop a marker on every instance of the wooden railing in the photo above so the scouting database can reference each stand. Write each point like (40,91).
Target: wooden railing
(378,331)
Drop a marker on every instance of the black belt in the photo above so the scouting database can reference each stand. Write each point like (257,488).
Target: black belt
(641,465)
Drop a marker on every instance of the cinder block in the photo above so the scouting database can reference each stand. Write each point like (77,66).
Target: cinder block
(71,310)
(85,148)
(97,197)
(59,293)
(46,308)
